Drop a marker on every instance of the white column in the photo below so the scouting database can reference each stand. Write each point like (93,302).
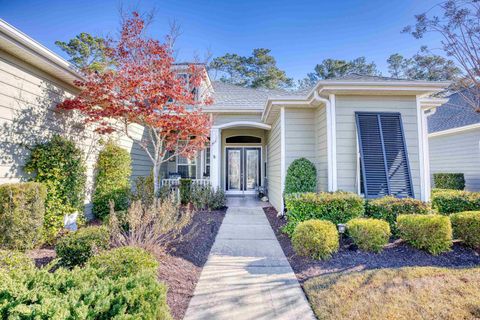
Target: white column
(215,156)
(424,166)
(332,144)
(282,155)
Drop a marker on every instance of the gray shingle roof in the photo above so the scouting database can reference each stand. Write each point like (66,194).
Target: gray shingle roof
(229,96)
(453,114)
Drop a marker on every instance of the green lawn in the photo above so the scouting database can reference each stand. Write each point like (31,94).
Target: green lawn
(405,293)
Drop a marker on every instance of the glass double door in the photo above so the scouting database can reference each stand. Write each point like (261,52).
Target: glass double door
(242,169)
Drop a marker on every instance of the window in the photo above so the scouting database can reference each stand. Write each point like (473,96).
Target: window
(384,165)
(244,139)
(207,162)
(187,168)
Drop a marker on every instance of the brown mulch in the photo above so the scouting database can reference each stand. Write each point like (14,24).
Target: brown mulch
(42,256)
(180,269)
(396,254)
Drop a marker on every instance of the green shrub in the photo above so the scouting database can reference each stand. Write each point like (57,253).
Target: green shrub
(123,262)
(388,208)
(369,234)
(15,260)
(75,248)
(337,207)
(466,226)
(22,209)
(143,190)
(301,177)
(314,238)
(112,182)
(81,294)
(185,190)
(431,232)
(454,181)
(59,165)
(451,201)
(206,197)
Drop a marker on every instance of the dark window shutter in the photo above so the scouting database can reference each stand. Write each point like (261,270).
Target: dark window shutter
(384,161)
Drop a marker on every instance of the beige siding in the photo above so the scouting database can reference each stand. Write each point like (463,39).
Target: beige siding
(28,98)
(273,165)
(321,148)
(459,152)
(299,135)
(219,119)
(347,141)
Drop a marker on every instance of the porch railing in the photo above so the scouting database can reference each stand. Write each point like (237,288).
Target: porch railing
(176,182)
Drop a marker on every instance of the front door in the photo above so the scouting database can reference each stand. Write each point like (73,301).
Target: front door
(242,169)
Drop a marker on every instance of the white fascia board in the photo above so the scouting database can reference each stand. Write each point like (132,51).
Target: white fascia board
(455,130)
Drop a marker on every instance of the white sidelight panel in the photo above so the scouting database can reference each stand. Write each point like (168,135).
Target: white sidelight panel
(215,154)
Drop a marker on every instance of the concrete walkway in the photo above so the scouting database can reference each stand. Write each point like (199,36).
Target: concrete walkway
(247,276)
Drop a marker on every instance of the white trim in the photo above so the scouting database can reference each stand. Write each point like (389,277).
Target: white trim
(215,156)
(282,156)
(426,156)
(422,153)
(243,124)
(455,130)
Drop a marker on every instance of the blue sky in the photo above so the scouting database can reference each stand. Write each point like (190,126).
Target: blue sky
(299,33)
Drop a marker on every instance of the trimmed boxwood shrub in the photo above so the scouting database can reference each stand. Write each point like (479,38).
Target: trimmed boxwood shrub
(75,248)
(81,294)
(185,190)
(466,226)
(454,181)
(59,165)
(369,234)
(451,201)
(314,238)
(22,209)
(123,261)
(301,177)
(389,208)
(112,182)
(15,260)
(337,207)
(431,232)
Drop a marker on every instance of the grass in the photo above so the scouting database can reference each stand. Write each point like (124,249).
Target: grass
(405,293)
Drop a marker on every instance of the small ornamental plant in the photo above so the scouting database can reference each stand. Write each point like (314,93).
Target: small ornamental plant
(369,234)
(301,177)
(315,238)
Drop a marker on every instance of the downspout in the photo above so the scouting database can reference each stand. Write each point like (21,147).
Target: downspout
(331,165)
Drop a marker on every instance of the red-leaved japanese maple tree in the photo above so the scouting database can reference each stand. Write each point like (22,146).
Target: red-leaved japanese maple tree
(143,87)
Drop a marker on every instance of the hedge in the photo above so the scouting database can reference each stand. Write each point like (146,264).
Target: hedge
(466,226)
(75,248)
(369,234)
(454,181)
(81,294)
(123,261)
(431,232)
(185,190)
(337,207)
(59,165)
(301,177)
(451,201)
(22,210)
(389,208)
(15,261)
(112,182)
(314,238)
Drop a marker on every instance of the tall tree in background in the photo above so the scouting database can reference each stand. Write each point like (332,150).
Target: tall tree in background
(142,88)
(423,66)
(333,68)
(256,71)
(459,27)
(86,52)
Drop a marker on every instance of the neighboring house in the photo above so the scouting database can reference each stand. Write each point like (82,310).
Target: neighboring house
(364,134)
(454,138)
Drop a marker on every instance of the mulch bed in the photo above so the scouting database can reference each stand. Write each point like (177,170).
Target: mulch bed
(397,254)
(180,269)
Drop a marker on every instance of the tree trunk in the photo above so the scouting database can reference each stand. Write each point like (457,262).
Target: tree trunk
(156,182)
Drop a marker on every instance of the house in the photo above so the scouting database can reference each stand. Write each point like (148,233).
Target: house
(454,138)
(364,134)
